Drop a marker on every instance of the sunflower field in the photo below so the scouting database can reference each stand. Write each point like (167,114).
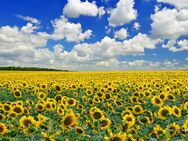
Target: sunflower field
(94,106)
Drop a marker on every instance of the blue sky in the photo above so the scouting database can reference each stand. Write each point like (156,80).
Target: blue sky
(94,35)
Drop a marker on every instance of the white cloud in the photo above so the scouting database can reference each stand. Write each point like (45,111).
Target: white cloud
(175,46)
(170,23)
(178,3)
(186,58)
(101,11)
(123,13)
(29,19)
(121,34)
(29,28)
(75,8)
(136,26)
(63,29)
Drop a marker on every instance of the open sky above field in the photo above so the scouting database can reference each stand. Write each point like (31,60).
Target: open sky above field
(94,35)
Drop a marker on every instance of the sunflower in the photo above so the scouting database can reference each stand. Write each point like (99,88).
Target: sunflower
(171,97)
(89,92)
(157,101)
(125,127)
(48,105)
(18,109)
(137,109)
(6,107)
(158,130)
(163,112)
(176,111)
(39,107)
(3,129)
(185,125)
(58,98)
(69,120)
(162,96)
(60,111)
(27,121)
(41,95)
(79,130)
(90,101)
(104,123)
(173,129)
(17,94)
(185,106)
(117,137)
(144,120)
(134,100)
(72,102)
(2,117)
(107,96)
(97,114)
(130,119)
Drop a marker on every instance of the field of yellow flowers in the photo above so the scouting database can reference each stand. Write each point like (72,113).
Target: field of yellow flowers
(94,106)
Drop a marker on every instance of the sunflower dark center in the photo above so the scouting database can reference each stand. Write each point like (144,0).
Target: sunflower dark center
(97,115)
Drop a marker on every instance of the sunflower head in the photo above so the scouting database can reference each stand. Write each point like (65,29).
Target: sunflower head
(27,121)
(69,120)
(3,129)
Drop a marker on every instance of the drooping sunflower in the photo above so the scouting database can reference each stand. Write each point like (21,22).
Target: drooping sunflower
(27,121)
(157,101)
(176,111)
(69,120)
(130,119)
(163,112)
(3,129)
(104,123)
(137,109)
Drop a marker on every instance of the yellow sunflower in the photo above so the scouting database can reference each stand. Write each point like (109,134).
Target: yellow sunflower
(3,129)
(27,121)
(157,101)
(185,125)
(69,120)
(130,119)
(173,129)
(104,123)
(116,137)
(176,111)
(137,109)
(163,112)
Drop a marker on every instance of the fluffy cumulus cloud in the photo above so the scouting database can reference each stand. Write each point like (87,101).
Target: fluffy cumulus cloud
(123,13)
(20,47)
(177,3)
(136,26)
(75,8)
(63,29)
(170,23)
(121,34)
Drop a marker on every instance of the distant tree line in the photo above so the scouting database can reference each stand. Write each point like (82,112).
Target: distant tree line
(28,69)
